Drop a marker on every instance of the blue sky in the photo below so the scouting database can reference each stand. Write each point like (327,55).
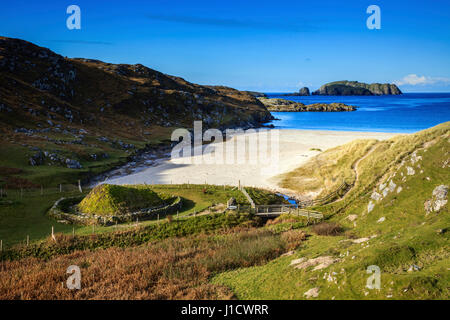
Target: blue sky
(269,46)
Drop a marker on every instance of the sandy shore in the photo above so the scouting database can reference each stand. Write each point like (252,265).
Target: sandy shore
(294,149)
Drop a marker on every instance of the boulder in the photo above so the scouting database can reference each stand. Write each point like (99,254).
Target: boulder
(438,200)
(36,159)
(370,206)
(73,164)
(312,293)
(376,196)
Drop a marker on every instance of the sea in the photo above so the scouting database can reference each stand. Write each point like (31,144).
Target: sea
(406,113)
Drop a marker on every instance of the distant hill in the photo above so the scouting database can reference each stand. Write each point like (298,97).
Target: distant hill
(92,92)
(355,88)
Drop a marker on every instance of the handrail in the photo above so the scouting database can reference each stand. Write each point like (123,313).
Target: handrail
(322,200)
(252,203)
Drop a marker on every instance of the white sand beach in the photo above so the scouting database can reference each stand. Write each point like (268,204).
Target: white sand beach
(294,149)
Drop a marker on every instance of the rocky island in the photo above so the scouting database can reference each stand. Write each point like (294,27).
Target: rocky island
(302,92)
(282,105)
(355,88)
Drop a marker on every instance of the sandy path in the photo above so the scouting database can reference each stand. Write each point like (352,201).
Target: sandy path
(293,150)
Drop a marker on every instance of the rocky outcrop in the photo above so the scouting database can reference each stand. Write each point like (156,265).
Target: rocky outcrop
(438,200)
(350,88)
(256,94)
(318,263)
(282,105)
(304,92)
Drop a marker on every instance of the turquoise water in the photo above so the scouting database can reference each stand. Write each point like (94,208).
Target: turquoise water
(409,112)
(290,200)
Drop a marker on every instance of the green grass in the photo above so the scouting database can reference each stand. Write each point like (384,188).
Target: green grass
(106,199)
(15,153)
(15,156)
(261,196)
(24,214)
(132,237)
(197,198)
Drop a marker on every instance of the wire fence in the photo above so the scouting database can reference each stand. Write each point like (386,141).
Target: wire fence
(339,192)
(20,193)
(69,190)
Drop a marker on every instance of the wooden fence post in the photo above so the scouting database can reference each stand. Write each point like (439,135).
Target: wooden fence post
(28,240)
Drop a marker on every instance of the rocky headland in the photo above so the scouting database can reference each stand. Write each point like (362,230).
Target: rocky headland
(282,105)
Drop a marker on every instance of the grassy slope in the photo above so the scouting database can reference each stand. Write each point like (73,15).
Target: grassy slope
(15,155)
(406,237)
(325,172)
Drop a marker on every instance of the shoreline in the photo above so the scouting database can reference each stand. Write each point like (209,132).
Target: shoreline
(295,148)
(359,131)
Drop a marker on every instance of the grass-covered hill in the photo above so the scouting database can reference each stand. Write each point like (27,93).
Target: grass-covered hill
(355,88)
(395,217)
(107,199)
(69,117)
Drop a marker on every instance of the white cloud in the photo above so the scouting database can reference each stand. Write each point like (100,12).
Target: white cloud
(414,80)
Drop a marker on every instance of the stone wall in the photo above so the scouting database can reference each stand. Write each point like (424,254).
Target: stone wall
(59,211)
